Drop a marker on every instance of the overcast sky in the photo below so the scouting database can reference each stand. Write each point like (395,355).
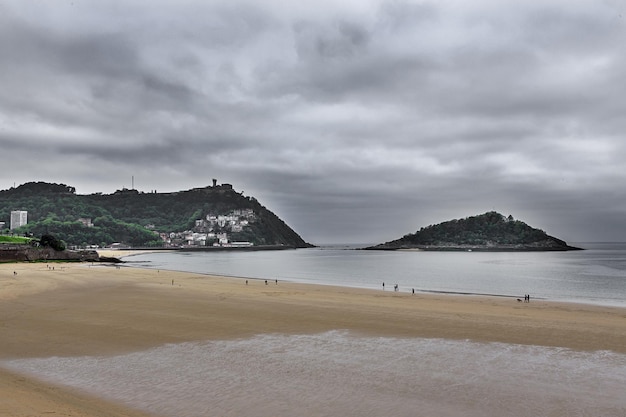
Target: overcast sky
(352,120)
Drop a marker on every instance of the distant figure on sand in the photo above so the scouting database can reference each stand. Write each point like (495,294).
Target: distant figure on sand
(265,282)
(395,287)
(383,286)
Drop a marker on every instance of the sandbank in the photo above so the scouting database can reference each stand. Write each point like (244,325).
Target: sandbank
(84,309)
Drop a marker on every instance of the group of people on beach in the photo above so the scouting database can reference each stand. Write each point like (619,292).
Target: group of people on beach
(276,281)
(395,288)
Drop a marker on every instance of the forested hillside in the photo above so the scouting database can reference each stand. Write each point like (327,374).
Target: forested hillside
(143,219)
(489,231)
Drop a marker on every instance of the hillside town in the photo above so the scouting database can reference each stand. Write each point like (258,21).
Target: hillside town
(214,230)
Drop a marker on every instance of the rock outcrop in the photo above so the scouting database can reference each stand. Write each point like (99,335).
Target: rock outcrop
(28,253)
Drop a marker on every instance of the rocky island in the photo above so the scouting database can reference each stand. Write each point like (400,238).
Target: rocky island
(486,232)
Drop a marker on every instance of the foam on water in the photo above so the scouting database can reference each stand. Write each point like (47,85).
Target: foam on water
(338,373)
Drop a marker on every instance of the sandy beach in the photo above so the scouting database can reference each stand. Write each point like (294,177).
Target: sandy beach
(82,309)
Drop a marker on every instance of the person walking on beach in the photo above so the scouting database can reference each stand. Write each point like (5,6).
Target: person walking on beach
(383,286)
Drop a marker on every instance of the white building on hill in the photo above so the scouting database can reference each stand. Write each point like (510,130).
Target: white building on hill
(18,218)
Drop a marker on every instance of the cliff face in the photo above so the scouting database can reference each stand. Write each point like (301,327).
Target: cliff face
(487,232)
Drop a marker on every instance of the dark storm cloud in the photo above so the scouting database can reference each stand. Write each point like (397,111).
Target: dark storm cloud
(353,121)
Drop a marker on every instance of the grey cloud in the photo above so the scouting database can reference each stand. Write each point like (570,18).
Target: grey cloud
(399,15)
(341,39)
(352,121)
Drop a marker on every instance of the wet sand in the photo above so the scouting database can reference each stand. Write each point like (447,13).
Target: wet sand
(78,309)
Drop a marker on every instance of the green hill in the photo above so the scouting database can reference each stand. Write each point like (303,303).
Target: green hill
(487,232)
(196,217)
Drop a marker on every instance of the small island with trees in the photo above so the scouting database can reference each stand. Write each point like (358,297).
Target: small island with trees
(490,231)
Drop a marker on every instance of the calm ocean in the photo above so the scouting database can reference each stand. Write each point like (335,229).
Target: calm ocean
(596,275)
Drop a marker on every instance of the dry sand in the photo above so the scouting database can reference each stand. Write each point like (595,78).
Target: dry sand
(79,309)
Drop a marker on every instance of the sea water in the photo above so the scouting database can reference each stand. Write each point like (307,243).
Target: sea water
(340,374)
(596,275)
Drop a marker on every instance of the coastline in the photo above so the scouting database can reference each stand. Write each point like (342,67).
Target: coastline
(80,309)
(122,253)
(368,274)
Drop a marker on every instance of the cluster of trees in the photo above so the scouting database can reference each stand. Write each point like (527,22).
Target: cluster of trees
(133,217)
(52,242)
(105,230)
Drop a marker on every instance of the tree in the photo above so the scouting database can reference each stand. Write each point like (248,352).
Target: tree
(52,242)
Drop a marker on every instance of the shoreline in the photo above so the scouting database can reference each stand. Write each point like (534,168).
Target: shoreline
(84,310)
(120,253)
(36,283)
(586,302)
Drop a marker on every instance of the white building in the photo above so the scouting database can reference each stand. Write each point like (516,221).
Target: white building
(18,218)
(222,238)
